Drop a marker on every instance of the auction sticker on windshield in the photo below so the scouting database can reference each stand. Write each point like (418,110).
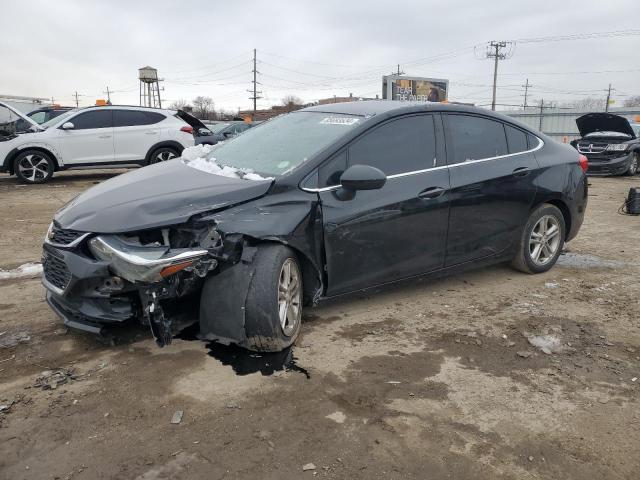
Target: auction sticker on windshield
(339,121)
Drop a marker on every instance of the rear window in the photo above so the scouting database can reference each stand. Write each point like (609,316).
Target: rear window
(475,138)
(516,139)
(131,118)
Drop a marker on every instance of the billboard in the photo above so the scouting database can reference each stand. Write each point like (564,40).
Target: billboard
(415,89)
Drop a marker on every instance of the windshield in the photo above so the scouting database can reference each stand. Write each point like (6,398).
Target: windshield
(279,145)
(218,127)
(57,119)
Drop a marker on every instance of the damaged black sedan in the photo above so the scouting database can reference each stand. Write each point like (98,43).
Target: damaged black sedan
(317,203)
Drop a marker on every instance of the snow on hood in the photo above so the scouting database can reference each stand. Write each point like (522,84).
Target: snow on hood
(196,157)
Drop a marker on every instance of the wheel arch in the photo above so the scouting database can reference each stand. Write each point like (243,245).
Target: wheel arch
(11,156)
(564,209)
(165,143)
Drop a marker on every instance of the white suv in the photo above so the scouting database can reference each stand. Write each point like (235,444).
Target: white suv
(94,136)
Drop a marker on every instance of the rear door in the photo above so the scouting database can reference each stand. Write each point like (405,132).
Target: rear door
(492,186)
(91,139)
(135,132)
(399,230)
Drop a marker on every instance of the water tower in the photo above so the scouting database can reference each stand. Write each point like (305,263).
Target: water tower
(149,87)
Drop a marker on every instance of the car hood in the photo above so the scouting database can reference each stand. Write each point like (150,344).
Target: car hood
(163,194)
(603,122)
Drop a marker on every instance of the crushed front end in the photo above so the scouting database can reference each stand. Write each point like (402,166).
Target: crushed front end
(97,280)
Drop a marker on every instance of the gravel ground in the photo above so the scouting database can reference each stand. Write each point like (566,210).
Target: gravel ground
(487,374)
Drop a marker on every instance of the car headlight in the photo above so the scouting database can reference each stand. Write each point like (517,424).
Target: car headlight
(617,147)
(141,263)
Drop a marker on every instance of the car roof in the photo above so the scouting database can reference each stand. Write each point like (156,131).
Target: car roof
(133,107)
(389,108)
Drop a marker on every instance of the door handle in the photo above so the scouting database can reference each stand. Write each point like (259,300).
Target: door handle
(521,172)
(431,192)
(104,136)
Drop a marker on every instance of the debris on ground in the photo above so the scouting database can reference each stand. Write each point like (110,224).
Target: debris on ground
(27,270)
(52,379)
(177,417)
(308,466)
(525,354)
(14,339)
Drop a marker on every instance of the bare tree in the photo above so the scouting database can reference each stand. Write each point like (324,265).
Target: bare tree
(203,107)
(179,104)
(587,103)
(633,101)
(291,102)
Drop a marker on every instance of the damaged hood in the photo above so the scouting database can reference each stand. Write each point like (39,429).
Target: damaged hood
(603,122)
(162,194)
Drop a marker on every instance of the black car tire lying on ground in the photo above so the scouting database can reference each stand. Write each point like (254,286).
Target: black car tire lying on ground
(43,166)
(523,259)
(263,328)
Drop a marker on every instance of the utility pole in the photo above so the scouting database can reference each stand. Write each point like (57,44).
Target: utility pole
(606,105)
(541,112)
(526,91)
(495,51)
(255,96)
(75,94)
(108,95)
(398,72)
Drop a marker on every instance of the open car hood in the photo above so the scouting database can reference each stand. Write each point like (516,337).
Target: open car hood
(29,120)
(603,122)
(162,194)
(191,120)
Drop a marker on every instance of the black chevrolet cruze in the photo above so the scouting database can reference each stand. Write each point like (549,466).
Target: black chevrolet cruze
(317,203)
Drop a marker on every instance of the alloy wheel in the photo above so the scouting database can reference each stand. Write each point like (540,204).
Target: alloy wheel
(164,155)
(545,240)
(289,297)
(633,168)
(33,167)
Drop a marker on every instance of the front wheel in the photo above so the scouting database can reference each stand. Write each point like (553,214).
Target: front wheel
(33,166)
(273,309)
(541,241)
(634,165)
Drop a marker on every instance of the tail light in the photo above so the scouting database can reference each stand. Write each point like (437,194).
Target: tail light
(584,163)
(187,129)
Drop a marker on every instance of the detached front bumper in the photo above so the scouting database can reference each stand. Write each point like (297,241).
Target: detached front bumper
(75,291)
(609,165)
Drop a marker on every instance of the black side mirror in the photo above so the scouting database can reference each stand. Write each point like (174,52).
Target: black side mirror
(227,134)
(362,177)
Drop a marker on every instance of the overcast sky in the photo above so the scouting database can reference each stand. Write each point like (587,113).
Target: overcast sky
(313,49)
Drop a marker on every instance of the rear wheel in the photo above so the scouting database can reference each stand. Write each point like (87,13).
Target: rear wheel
(163,154)
(273,309)
(33,166)
(634,166)
(541,241)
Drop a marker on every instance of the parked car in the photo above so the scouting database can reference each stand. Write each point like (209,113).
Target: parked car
(94,136)
(44,114)
(310,205)
(219,132)
(610,143)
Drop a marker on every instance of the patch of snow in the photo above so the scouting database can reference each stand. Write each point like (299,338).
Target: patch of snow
(26,270)
(196,157)
(337,417)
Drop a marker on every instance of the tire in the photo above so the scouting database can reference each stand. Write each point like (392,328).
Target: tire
(270,290)
(532,256)
(634,166)
(162,154)
(34,166)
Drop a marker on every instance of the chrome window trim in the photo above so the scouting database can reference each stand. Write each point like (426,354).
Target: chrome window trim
(417,172)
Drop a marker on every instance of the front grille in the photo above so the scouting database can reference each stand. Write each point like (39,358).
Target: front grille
(55,271)
(592,147)
(63,236)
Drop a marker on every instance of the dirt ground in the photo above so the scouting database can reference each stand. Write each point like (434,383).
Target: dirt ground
(430,380)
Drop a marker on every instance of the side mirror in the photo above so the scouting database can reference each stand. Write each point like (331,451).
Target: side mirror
(68,126)
(204,132)
(227,134)
(362,177)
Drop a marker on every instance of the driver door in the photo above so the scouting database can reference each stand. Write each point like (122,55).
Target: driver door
(400,230)
(90,141)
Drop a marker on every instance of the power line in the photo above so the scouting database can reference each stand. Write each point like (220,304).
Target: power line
(580,36)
